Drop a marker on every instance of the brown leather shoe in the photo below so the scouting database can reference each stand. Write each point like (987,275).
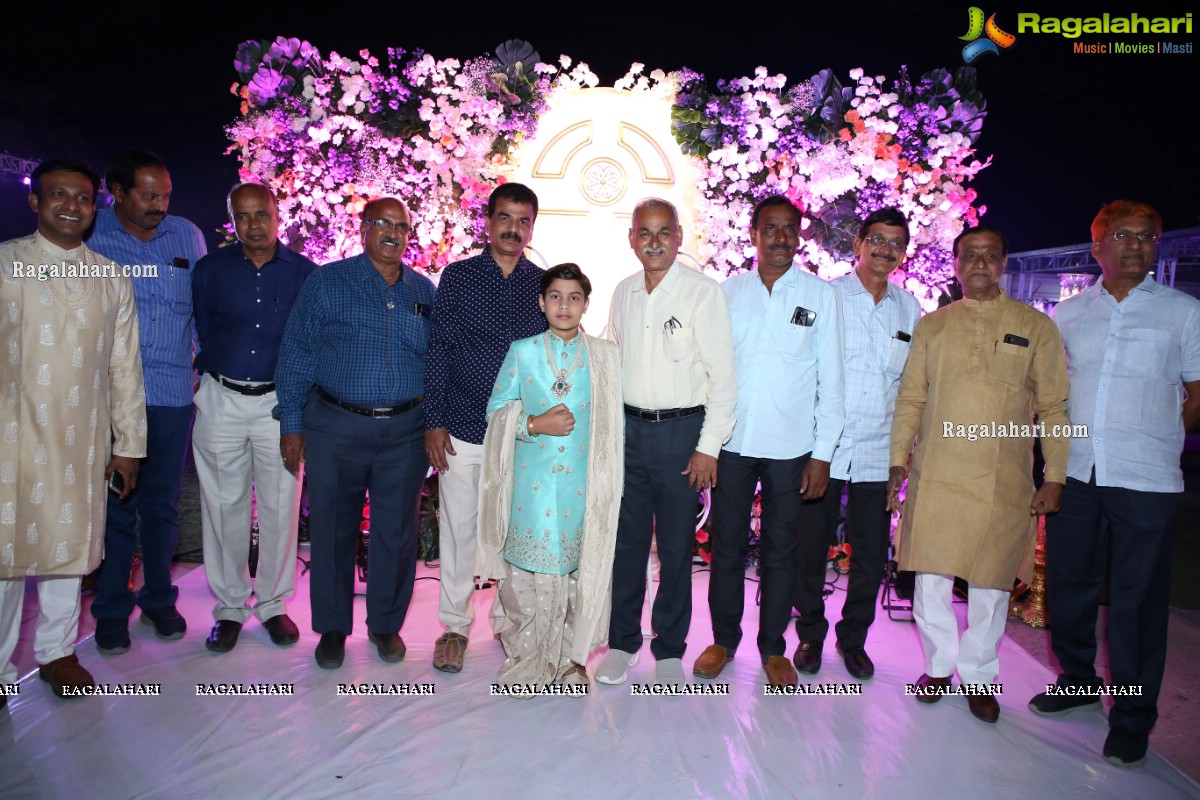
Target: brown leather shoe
(928,688)
(779,671)
(711,662)
(448,652)
(66,673)
(390,646)
(984,707)
(808,657)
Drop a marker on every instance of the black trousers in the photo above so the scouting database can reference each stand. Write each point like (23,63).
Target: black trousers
(657,502)
(347,456)
(1078,543)
(867,529)
(737,478)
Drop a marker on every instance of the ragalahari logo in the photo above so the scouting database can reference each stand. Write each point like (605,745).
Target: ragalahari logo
(976,28)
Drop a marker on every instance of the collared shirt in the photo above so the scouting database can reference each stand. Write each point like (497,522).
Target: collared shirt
(789,375)
(357,338)
(677,348)
(874,361)
(241,310)
(1127,362)
(479,314)
(164,303)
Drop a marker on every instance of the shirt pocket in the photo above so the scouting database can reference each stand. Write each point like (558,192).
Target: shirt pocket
(1010,364)
(897,357)
(1146,353)
(677,344)
(795,342)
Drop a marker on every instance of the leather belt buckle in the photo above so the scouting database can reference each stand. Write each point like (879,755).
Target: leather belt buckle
(382,413)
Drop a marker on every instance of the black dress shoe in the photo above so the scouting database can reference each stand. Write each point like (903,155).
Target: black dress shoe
(858,663)
(331,650)
(808,658)
(283,631)
(223,636)
(390,646)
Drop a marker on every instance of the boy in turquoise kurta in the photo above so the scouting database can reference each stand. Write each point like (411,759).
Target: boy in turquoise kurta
(543,399)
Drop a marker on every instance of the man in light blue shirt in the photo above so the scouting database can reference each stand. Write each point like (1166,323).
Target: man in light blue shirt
(879,318)
(160,250)
(787,339)
(1133,356)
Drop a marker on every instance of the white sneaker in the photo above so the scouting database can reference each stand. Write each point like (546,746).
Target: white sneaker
(614,668)
(669,672)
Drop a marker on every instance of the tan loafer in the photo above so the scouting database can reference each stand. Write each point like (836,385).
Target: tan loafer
(780,671)
(711,662)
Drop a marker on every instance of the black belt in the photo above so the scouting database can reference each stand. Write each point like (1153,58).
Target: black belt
(663,415)
(374,413)
(249,391)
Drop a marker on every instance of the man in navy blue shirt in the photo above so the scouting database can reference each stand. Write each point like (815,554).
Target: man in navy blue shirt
(160,251)
(484,304)
(242,296)
(350,378)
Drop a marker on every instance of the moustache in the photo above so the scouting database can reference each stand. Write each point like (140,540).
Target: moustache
(884,256)
(510,235)
(781,247)
(389,240)
(654,251)
(156,214)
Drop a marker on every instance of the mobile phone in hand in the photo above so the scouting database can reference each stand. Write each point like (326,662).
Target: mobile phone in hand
(116,482)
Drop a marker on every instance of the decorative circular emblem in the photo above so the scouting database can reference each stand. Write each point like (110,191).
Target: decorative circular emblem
(603,181)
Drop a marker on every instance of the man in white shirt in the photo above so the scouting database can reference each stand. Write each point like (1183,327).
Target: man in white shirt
(672,326)
(879,319)
(1133,354)
(787,334)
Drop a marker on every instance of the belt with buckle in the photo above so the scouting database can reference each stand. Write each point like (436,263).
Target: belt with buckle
(663,415)
(374,413)
(241,388)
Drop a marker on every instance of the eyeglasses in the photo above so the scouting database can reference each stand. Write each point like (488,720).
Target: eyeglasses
(386,226)
(875,240)
(1142,237)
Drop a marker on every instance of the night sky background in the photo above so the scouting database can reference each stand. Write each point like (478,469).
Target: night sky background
(1067,132)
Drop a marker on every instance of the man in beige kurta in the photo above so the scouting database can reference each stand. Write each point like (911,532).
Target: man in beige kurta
(978,371)
(72,412)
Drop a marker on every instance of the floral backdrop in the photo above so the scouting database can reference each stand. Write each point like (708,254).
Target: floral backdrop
(327,133)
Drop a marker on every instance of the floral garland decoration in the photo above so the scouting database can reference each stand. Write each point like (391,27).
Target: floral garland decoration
(326,134)
(839,153)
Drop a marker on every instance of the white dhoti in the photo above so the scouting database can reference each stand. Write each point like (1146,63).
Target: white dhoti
(57,623)
(975,657)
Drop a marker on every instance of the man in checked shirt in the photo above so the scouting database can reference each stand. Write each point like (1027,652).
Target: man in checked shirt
(349,379)
(879,318)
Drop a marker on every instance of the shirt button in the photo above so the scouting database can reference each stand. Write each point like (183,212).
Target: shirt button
(259,300)
(252,352)
(257,325)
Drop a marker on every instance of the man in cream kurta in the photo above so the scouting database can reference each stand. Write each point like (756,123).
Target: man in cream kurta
(983,362)
(71,383)
(679,386)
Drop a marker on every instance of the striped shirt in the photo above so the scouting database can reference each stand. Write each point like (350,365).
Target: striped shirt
(874,361)
(164,303)
(357,338)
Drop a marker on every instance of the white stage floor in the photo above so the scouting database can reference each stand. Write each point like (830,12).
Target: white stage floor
(462,742)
